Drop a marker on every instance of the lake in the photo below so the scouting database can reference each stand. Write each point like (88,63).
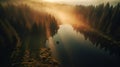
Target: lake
(72,49)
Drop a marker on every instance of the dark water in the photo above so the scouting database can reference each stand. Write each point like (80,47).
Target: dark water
(73,50)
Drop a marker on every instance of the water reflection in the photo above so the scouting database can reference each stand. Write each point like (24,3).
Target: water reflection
(74,50)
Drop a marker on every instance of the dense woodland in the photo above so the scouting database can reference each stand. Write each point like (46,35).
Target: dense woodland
(24,31)
(19,24)
(104,17)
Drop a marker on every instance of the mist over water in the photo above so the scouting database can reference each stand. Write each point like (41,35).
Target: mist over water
(52,34)
(74,50)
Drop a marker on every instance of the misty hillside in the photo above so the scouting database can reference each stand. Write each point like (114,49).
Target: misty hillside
(19,23)
(25,28)
(104,22)
(104,18)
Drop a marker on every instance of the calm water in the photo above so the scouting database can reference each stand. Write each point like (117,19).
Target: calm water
(73,50)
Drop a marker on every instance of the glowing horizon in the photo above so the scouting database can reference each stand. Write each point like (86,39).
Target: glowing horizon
(81,2)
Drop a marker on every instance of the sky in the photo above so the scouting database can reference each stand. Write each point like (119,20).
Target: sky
(83,2)
(75,2)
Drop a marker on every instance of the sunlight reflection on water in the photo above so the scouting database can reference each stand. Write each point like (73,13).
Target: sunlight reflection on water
(73,50)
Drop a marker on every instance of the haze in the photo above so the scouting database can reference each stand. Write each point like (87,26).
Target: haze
(82,2)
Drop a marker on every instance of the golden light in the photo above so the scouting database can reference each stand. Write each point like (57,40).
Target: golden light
(82,2)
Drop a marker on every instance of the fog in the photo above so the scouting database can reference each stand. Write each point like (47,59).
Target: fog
(82,2)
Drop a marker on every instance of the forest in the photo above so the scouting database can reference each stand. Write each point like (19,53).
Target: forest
(19,23)
(104,18)
(24,31)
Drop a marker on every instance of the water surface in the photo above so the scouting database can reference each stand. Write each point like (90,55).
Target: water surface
(72,49)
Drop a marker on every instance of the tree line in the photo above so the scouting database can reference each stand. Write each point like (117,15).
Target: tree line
(17,22)
(104,18)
